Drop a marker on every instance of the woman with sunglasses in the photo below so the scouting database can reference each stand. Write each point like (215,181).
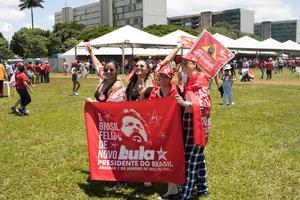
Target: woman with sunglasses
(196,125)
(110,84)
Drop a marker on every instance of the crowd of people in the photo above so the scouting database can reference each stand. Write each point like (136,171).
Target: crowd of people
(147,82)
(23,76)
(151,79)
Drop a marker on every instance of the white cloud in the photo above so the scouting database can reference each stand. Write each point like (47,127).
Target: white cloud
(51,18)
(264,10)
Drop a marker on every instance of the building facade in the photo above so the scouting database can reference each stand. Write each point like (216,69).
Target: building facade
(242,20)
(137,13)
(279,30)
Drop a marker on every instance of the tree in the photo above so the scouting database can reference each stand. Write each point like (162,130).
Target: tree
(90,33)
(30,4)
(66,34)
(5,52)
(31,43)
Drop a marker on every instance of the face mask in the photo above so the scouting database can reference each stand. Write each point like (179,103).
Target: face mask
(184,77)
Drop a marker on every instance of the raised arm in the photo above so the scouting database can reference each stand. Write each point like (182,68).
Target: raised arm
(97,64)
(171,56)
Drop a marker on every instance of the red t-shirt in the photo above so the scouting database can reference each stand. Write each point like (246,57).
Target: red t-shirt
(48,68)
(269,65)
(37,68)
(20,78)
(29,67)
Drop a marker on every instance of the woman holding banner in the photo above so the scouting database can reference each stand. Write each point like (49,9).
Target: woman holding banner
(110,87)
(196,125)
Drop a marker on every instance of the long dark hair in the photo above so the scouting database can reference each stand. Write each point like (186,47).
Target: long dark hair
(134,80)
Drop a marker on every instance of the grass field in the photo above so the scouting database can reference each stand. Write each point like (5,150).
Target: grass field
(253,152)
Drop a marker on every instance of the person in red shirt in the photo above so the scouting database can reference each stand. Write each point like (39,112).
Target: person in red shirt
(196,125)
(165,86)
(22,87)
(48,69)
(37,69)
(269,68)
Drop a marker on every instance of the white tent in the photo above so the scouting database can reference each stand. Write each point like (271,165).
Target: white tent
(173,37)
(224,40)
(273,44)
(128,36)
(292,45)
(248,43)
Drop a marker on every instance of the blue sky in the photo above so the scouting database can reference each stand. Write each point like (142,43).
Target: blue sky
(11,19)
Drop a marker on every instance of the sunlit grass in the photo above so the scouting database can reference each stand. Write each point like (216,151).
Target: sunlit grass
(253,151)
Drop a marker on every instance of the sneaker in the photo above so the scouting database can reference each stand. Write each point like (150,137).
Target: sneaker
(26,112)
(19,112)
(76,93)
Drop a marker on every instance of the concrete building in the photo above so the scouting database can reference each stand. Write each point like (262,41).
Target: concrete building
(279,30)
(137,13)
(241,19)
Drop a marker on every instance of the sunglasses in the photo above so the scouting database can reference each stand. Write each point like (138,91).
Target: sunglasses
(136,66)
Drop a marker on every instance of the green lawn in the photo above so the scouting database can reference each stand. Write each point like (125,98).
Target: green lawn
(253,152)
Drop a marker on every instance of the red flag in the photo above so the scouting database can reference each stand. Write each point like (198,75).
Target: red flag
(135,141)
(209,54)
(186,42)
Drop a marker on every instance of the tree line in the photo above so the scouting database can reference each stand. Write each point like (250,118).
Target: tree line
(35,42)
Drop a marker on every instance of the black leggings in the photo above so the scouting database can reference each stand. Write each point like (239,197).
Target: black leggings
(25,97)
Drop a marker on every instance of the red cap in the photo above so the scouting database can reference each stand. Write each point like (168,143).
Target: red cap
(74,62)
(19,64)
(167,71)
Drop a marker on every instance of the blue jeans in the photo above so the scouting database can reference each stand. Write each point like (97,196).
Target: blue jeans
(227,91)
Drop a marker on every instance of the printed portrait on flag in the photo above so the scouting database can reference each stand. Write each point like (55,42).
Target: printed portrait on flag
(135,141)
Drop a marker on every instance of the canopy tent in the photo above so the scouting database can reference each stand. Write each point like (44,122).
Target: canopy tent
(226,41)
(273,45)
(247,43)
(173,37)
(128,36)
(292,45)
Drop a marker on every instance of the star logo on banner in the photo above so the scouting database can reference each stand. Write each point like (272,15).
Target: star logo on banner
(161,154)
(154,118)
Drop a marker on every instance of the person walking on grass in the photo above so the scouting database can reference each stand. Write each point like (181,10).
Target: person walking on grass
(22,87)
(227,79)
(75,78)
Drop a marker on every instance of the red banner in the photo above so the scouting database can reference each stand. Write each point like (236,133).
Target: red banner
(186,42)
(209,54)
(135,141)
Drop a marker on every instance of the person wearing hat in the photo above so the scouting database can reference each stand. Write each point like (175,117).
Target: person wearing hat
(196,103)
(166,88)
(227,79)
(48,70)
